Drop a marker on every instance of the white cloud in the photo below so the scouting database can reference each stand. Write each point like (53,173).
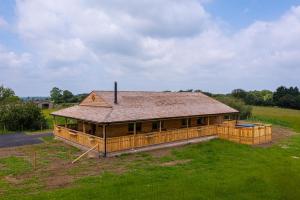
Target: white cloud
(159,44)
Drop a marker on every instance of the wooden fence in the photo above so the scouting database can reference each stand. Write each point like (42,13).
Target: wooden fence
(142,140)
(258,134)
(80,138)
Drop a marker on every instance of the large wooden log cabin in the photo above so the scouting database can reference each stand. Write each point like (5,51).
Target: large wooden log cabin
(121,121)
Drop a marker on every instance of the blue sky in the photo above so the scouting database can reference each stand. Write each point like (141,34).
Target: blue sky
(213,45)
(240,13)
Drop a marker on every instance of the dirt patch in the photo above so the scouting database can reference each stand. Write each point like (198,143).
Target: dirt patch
(6,152)
(13,180)
(278,134)
(175,162)
(59,181)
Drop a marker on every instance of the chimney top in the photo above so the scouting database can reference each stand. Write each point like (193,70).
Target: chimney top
(116,93)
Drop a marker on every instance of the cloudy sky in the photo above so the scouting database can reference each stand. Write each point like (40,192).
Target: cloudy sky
(213,45)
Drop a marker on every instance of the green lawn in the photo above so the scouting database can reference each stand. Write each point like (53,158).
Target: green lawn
(280,116)
(213,170)
(49,118)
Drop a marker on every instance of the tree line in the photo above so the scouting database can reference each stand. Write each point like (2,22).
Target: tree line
(242,100)
(286,97)
(59,96)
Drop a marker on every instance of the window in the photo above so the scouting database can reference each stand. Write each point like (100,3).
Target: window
(201,121)
(183,122)
(131,127)
(138,127)
(226,117)
(155,126)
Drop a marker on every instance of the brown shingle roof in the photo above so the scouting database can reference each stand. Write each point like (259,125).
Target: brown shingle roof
(145,105)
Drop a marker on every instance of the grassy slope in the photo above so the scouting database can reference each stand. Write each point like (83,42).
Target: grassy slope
(280,116)
(217,170)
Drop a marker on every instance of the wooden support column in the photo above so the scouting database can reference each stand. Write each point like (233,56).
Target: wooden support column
(104,138)
(159,125)
(134,134)
(208,120)
(187,130)
(83,126)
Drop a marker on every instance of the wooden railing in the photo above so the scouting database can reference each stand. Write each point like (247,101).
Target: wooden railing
(78,137)
(141,140)
(259,134)
(245,135)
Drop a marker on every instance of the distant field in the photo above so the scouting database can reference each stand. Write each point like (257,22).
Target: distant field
(46,113)
(279,116)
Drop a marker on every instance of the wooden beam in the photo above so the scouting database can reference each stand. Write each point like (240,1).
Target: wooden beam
(159,125)
(187,130)
(134,128)
(104,137)
(97,145)
(83,126)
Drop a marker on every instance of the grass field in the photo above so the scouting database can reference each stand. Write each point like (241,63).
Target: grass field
(280,116)
(213,170)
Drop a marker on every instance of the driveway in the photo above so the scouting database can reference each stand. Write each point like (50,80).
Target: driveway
(20,139)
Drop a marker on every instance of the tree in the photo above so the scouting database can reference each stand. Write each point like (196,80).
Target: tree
(238,104)
(56,95)
(21,116)
(67,96)
(239,93)
(287,97)
(7,95)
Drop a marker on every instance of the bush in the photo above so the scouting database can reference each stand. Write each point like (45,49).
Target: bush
(238,104)
(21,116)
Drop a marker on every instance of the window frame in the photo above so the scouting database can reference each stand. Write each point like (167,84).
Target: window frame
(203,121)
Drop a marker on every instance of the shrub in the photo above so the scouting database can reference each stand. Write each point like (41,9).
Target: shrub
(238,104)
(21,116)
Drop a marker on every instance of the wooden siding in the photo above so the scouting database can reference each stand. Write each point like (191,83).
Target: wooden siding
(94,100)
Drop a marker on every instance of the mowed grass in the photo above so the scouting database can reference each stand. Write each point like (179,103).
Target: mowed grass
(216,169)
(280,116)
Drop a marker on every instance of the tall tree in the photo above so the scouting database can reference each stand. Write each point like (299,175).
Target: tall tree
(67,96)
(5,93)
(56,95)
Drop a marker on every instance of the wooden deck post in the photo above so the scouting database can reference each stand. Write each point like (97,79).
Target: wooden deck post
(159,125)
(104,138)
(134,134)
(83,126)
(187,128)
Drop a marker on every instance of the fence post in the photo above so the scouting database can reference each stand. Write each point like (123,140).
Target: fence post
(34,160)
